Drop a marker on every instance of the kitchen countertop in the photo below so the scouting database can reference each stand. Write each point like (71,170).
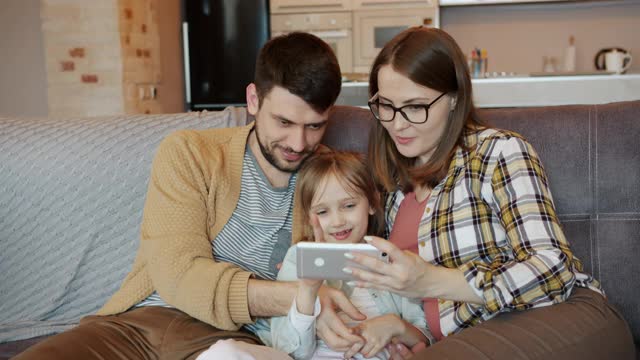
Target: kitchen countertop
(532,90)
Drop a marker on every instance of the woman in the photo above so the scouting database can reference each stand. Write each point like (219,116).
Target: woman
(472,224)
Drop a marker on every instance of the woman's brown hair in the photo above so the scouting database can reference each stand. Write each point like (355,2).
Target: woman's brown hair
(431,58)
(351,171)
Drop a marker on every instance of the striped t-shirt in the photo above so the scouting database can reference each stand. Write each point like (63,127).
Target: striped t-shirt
(258,234)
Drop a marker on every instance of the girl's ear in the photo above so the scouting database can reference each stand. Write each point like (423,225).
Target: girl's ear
(371,210)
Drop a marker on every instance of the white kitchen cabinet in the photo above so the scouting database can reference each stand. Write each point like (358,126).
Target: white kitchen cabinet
(332,27)
(355,29)
(392,4)
(489,2)
(531,91)
(306,6)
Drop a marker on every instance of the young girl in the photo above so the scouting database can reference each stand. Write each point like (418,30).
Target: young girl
(339,198)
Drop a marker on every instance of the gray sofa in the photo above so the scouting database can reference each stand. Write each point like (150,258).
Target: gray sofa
(72,192)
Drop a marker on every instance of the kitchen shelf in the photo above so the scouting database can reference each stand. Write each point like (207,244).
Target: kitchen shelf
(493,2)
(531,91)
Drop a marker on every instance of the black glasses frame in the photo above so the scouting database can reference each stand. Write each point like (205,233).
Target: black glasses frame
(375,101)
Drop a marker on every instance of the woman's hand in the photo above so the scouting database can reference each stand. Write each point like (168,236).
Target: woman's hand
(406,274)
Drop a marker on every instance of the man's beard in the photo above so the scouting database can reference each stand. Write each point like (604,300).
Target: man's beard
(273,160)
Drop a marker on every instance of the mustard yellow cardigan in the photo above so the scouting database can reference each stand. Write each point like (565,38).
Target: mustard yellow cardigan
(193,190)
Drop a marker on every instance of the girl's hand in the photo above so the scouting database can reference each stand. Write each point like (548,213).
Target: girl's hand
(306,295)
(308,288)
(330,327)
(377,333)
(318,235)
(406,274)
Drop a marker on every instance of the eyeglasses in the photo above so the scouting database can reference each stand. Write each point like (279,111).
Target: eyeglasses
(413,113)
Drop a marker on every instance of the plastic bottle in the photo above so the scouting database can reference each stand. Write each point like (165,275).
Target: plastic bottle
(570,55)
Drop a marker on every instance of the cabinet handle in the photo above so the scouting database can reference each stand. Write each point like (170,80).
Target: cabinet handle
(330,34)
(371,3)
(309,6)
(185,56)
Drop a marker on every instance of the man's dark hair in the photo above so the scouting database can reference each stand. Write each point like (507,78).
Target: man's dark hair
(303,64)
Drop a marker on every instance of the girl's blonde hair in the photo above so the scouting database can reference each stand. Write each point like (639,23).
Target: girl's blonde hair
(351,171)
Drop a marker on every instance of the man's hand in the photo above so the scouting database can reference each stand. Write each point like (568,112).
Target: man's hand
(270,298)
(330,327)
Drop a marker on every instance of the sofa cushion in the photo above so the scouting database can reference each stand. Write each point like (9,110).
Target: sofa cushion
(592,157)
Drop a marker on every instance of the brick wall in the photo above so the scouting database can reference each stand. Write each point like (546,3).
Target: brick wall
(102,56)
(140,41)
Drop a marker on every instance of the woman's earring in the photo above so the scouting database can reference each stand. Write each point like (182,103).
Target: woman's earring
(454,101)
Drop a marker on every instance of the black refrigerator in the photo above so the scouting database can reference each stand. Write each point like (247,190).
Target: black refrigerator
(221,41)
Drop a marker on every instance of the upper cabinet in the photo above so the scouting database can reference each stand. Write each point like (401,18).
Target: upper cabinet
(297,6)
(490,2)
(304,6)
(392,4)
(355,29)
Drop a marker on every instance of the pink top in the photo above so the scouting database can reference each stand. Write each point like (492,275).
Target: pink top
(404,235)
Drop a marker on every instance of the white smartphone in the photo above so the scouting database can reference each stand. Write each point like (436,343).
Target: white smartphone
(326,260)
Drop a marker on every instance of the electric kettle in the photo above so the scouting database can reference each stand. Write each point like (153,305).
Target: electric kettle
(614,59)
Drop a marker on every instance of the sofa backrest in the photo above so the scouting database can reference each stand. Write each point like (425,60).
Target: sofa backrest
(72,192)
(592,157)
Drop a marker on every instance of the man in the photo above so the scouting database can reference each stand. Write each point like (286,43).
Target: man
(218,218)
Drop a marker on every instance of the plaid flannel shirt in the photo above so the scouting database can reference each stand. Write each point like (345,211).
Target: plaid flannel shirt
(493,217)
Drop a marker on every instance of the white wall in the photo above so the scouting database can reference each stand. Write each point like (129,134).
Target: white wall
(23,78)
(517,36)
